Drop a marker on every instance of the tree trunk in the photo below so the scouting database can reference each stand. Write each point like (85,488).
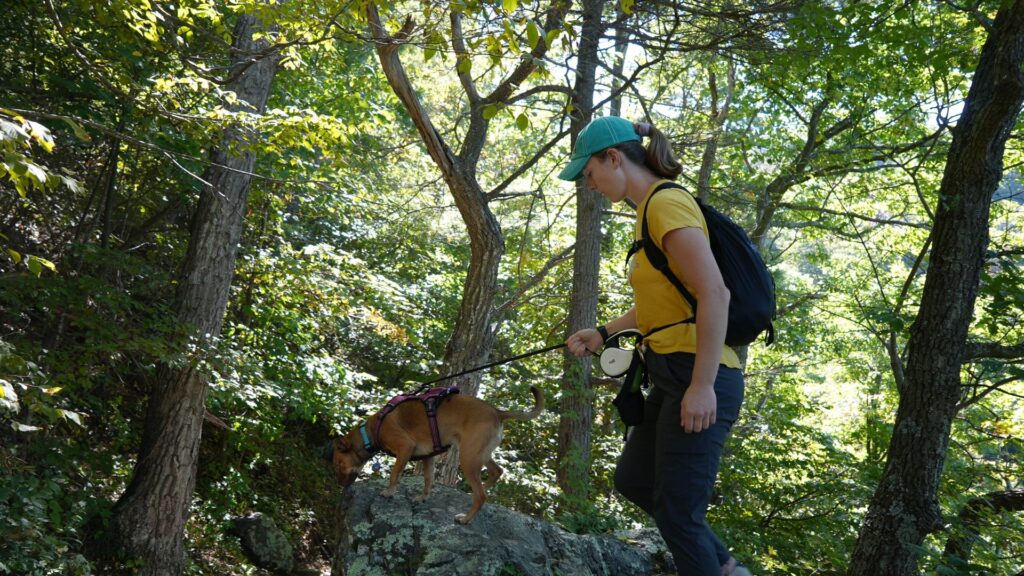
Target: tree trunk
(473,336)
(716,121)
(905,506)
(149,519)
(577,402)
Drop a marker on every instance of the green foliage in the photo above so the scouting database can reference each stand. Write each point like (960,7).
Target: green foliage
(585,516)
(18,136)
(41,508)
(41,512)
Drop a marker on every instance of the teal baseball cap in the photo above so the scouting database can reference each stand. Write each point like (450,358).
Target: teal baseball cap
(601,133)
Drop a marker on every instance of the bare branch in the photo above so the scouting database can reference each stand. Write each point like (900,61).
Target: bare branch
(981,392)
(996,254)
(979,350)
(553,88)
(540,153)
(823,210)
(525,287)
(461,54)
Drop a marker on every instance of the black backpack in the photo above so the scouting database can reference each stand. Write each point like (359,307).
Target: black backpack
(751,286)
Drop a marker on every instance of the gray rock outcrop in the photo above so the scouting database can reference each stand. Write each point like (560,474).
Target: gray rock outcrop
(399,536)
(264,543)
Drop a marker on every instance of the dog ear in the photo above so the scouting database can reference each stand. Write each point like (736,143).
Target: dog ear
(342,445)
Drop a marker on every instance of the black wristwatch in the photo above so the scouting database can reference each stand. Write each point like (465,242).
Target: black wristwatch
(603,332)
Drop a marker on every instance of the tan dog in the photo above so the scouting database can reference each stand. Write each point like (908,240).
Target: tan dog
(470,423)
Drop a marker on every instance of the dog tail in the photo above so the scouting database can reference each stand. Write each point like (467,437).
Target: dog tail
(538,407)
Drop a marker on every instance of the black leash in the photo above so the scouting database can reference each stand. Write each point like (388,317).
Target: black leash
(426,385)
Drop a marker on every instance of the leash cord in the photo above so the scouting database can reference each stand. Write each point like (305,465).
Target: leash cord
(426,385)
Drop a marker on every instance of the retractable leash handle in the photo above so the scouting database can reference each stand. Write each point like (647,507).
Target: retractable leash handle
(614,359)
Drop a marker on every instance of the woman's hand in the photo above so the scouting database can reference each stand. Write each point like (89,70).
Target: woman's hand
(586,341)
(699,408)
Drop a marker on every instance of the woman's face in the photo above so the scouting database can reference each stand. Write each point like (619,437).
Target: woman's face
(602,175)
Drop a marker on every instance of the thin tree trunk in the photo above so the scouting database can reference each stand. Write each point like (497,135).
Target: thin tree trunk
(621,43)
(577,403)
(108,197)
(796,172)
(149,519)
(716,118)
(473,337)
(905,505)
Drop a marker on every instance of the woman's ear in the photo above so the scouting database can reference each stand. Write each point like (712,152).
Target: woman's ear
(614,155)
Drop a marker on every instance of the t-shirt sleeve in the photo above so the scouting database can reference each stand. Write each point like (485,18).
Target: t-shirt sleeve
(672,209)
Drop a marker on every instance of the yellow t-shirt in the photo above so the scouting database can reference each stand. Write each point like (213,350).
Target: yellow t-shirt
(657,301)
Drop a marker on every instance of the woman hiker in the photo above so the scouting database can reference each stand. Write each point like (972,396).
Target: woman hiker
(670,461)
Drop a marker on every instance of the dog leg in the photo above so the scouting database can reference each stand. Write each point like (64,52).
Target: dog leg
(471,466)
(402,458)
(493,473)
(428,478)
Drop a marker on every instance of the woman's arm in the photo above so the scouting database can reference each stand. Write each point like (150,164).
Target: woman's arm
(589,340)
(689,250)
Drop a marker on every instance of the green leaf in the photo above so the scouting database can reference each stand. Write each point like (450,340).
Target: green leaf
(41,135)
(15,255)
(490,111)
(72,416)
(511,38)
(19,427)
(522,121)
(37,174)
(626,6)
(494,49)
(509,5)
(8,397)
(55,515)
(435,44)
(465,65)
(36,264)
(12,131)
(532,35)
(72,184)
(551,36)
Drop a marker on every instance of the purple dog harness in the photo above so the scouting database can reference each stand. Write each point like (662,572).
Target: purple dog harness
(431,399)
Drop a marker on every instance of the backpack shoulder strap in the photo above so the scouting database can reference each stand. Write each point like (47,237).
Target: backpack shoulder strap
(654,254)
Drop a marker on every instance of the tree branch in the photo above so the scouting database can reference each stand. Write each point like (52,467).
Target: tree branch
(461,55)
(979,350)
(387,51)
(525,287)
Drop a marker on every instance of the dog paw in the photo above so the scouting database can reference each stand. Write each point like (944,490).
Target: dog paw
(388,492)
(420,498)
(462,519)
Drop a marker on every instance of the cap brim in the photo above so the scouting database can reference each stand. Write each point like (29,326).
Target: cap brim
(572,171)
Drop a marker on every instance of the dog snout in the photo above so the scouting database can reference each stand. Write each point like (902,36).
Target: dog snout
(344,469)
(347,478)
